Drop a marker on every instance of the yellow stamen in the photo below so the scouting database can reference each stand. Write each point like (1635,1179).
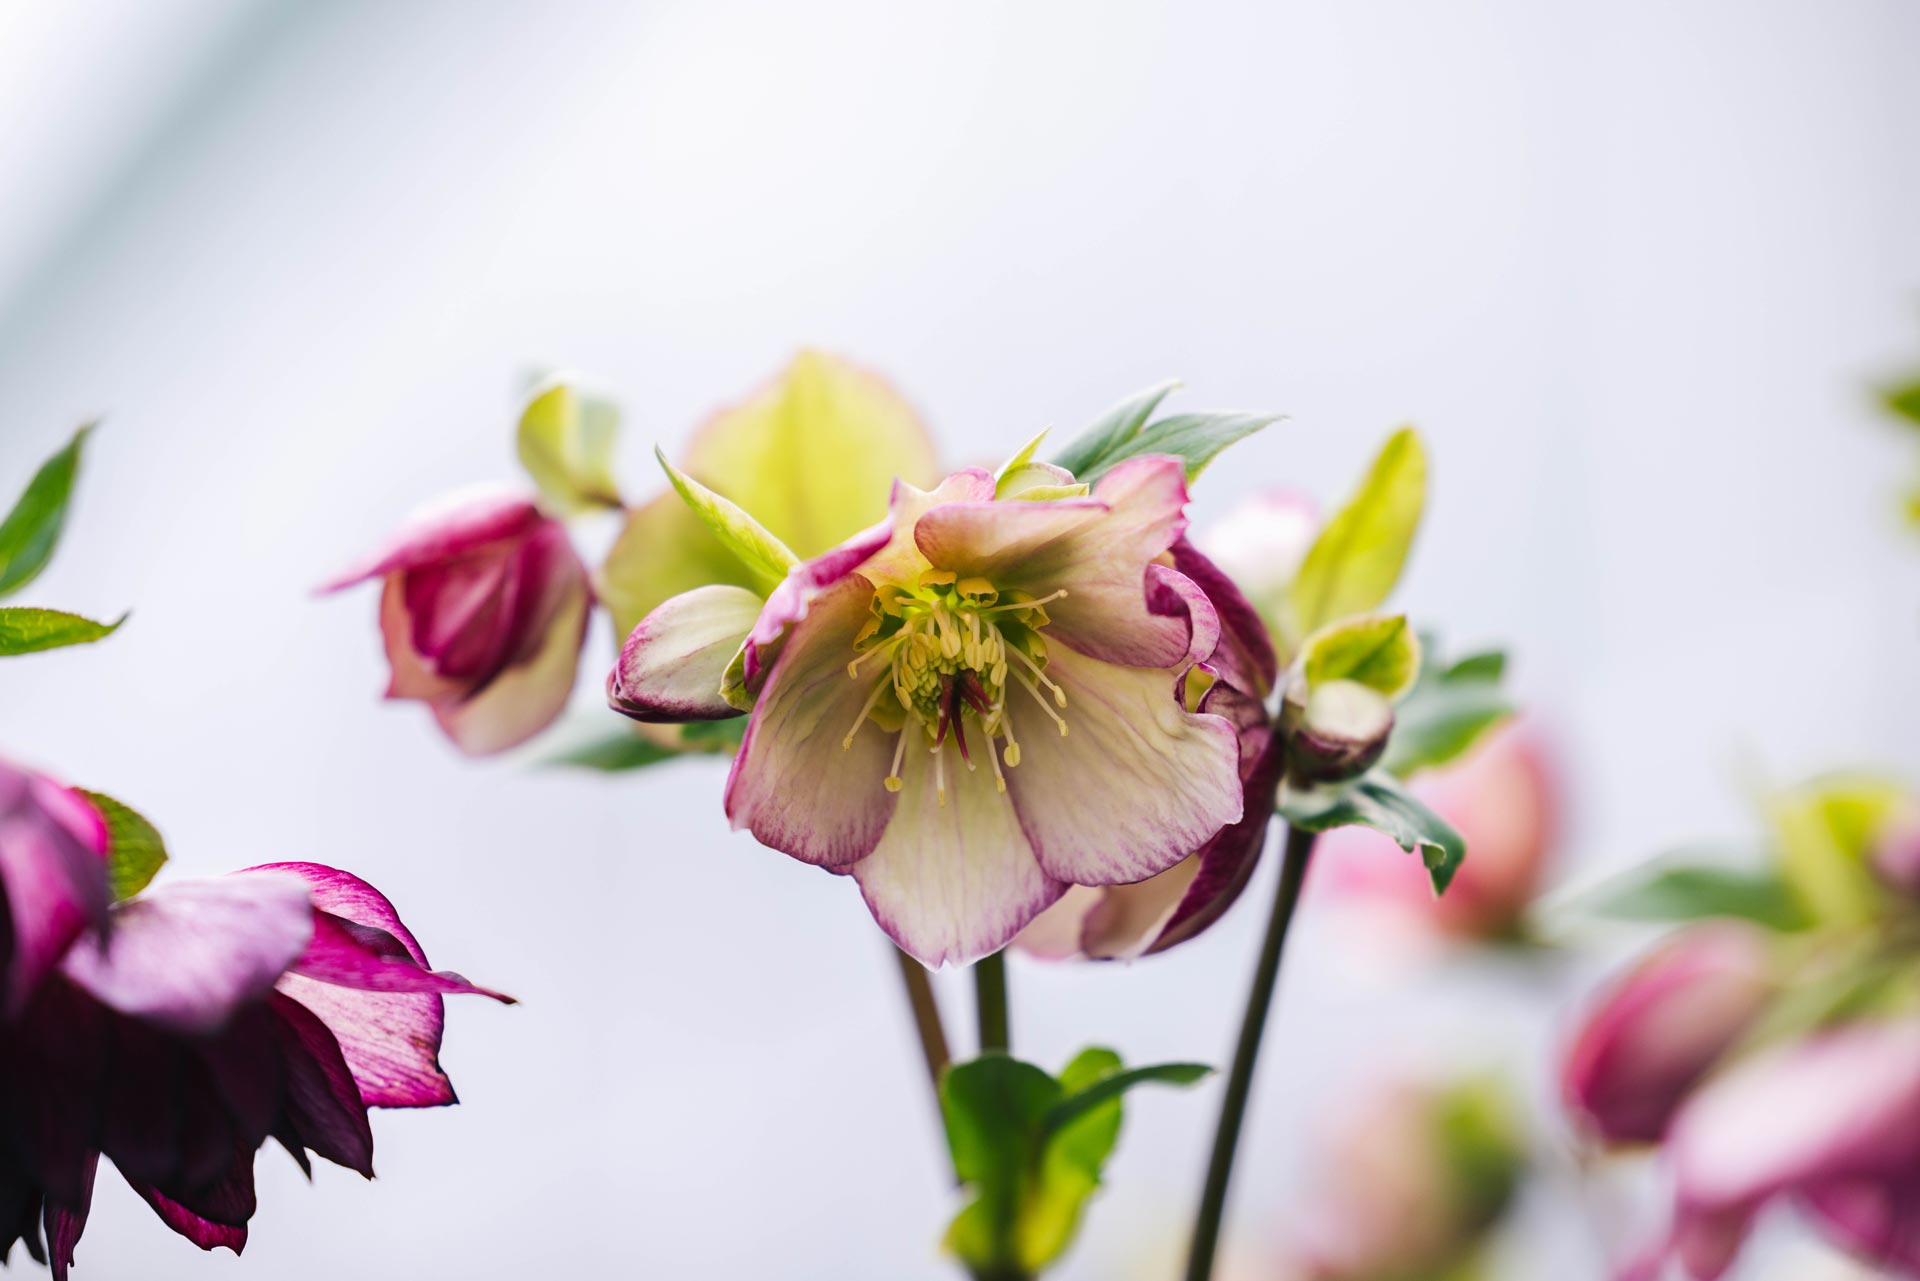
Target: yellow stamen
(1040,698)
(893,780)
(873,699)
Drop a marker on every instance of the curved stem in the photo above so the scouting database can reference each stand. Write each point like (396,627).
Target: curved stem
(926,1016)
(1233,1107)
(990,994)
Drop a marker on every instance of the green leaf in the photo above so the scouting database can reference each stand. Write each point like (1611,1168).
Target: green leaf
(135,851)
(1031,1148)
(1378,651)
(765,558)
(1195,439)
(1694,892)
(1355,562)
(28,631)
(1450,708)
(32,528)
(1904,401)
(1112,430)
(565,441)
(624,750)
(1377,800)
(813,455)
(1488,665)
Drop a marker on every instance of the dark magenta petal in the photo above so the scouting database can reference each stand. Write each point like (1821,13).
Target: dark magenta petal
(323,1107)
(1227,861)
(1245,657)
(66,1222)
(212,1216)
(204,1233)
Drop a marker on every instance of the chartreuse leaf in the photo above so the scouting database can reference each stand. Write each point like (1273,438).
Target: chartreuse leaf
(135,851)
(1357,558)
(1448,710)
(1693,891)
(765,558)
(566,443)
(1377,800)
(1020,459)
(813,455)
(28,631)
(1112,430)
(1031,1148)
(1824,834)
(1379,651)
(32,529)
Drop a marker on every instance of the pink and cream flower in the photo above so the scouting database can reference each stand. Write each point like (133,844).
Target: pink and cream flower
(967,708)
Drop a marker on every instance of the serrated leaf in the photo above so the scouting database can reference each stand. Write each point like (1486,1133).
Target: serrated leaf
(1696,892)
(28,631)
(1113,429)
(565,441)
(1357,558)
(765,558)
(32,529)
(1379,651)
(1377,800)
(135,852)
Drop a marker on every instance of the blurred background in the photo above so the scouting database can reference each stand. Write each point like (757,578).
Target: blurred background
(1634,268)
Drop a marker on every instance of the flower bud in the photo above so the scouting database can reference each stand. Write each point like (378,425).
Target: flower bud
(1341,731)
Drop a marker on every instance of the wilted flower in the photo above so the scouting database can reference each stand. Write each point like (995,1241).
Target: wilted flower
(1654,1036)
(1504,799)
(198,1021)
(483,609)
(1411,1186)
(978,703)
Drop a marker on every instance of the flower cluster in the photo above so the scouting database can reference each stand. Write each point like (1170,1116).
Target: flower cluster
(175,1031)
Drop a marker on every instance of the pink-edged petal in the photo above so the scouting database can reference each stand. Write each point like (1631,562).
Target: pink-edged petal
(526,698)
(952,882)
(1876,1220)
(671,667)
(188,955)
(1055,934)
(1658,1031)
(793,784)
(452,528)
(65,1223)
(1171,594)
(53,879)
(367,979)
(1135,785)
(1245,655)
(410,674)
(1225,864)
(1842,1106)
(1097,549)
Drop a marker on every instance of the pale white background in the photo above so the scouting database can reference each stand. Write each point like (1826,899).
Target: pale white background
(1632,266)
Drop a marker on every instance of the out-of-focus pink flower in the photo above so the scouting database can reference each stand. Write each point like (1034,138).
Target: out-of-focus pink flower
(1896,856)
(1654,1036)
(483,610)
(976,704)
(1125,921)
(1262,540)
(203,1019)
(1832,1121)
(1504,798)
(1410,1185)
(53,879)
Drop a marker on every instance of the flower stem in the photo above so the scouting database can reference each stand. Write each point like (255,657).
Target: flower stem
(1233,1107)
(926,1016)
(990,994)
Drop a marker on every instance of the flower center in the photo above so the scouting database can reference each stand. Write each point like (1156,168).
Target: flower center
(946,652)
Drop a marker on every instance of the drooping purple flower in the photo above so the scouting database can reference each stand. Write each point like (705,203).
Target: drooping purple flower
(205,1018)
(483,611)
(974,705)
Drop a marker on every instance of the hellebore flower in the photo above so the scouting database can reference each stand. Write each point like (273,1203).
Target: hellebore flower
(971,706)
(1832,1122)
(53,879)
(1656,1034)
(1503,797)
(209,1016)
(1126,921)
(483,610)
(1412,1185)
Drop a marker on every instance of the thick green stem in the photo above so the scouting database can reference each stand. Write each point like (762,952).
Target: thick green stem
(926,1016)
(990,994)
(1233,1107)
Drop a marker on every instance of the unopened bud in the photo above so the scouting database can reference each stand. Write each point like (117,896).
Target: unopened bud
(1341,732)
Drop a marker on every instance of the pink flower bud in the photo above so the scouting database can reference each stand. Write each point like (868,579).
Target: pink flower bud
(483,611)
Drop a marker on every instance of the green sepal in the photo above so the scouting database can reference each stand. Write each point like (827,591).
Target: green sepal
(765,558)
(1379,651)
(1357,557)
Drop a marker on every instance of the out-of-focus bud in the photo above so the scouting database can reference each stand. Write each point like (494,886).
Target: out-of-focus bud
(1342,731)
(483,611)
(1412,1185)
(1654,1036)
(1261,542)
(1896,855)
